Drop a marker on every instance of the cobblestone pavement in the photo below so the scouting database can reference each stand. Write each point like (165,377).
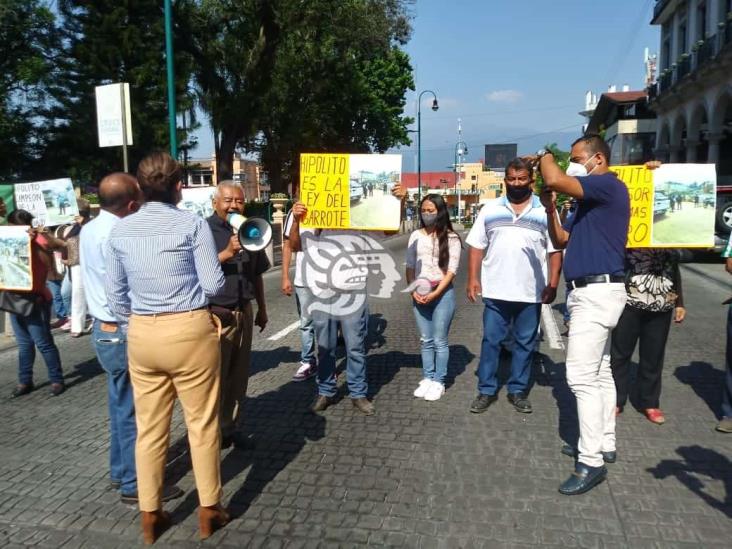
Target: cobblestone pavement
(416,474)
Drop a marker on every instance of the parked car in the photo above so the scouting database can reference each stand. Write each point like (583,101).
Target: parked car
(661,203)
(356,191)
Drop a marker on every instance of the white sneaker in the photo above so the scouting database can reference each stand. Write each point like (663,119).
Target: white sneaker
(305,371)
(435,391)
(422,388)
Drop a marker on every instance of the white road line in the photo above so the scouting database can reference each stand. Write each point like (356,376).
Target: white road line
(282,333)
(551,329)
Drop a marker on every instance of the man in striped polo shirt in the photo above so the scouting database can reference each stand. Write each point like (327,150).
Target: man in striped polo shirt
(511,239)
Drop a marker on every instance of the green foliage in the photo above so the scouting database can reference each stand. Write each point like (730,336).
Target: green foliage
(107,41)
(562,159)
(28,40)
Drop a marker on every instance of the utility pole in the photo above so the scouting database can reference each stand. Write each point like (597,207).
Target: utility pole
(173,129)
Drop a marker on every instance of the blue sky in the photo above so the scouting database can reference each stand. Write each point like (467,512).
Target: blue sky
(515,69)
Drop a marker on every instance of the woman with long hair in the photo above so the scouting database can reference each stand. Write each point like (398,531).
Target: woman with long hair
(433,256)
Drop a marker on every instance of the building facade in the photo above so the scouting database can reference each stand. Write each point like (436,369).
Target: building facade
(202,172)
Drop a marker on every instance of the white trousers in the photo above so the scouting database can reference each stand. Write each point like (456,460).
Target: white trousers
(594,311)
(78,301)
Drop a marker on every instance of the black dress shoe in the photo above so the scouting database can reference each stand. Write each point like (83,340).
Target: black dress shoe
(363,405)
(481,403)
(169,492)
(114,485)
(239,440)
(520,402)
(57,388)
(583,479)
(321,403)
(21,390)
(607,457)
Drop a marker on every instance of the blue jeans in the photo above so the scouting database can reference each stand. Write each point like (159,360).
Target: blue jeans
(303,298)
(433,321)
(727,387)
(31,332)
(59,307)
(497,318)
(354,327)
(111,350)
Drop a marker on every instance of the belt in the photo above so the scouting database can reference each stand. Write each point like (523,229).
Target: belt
(583,281)
(176,312)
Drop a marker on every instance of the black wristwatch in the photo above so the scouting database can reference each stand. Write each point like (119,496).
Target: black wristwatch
(542,152)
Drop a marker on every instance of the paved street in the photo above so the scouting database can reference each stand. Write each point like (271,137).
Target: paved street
(416,474)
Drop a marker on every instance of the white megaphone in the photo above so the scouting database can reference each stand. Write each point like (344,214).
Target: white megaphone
(254,232)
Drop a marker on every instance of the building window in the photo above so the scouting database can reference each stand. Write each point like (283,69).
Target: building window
(681,49)
(701,21)
(665,46)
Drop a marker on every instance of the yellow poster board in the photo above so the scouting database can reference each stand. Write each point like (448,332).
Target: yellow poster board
(672,206)
(350,191)
(639,181)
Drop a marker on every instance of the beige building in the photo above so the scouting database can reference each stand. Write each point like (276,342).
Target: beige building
(202,172)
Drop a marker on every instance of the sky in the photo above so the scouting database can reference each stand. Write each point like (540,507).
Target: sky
(514,71)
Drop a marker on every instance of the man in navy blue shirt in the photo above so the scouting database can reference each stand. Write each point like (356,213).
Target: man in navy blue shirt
(594,238)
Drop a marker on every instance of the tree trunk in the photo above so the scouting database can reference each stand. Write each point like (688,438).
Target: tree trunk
(225,156)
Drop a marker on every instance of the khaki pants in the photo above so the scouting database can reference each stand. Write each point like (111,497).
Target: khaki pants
(169,355)
(236,349)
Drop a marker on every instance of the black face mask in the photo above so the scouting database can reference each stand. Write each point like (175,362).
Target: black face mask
(518,194)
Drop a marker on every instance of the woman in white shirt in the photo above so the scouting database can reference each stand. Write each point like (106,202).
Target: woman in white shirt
(433,255)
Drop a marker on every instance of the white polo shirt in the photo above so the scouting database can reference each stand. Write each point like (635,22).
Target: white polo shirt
(515,264)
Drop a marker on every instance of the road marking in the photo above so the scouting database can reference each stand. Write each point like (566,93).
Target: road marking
(282,333)
(551,329)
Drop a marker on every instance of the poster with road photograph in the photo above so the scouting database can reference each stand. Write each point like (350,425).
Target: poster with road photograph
(198,200)
(51,202)
(15,263)
(684,205)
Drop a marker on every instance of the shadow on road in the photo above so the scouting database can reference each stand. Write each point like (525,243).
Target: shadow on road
(698,462)
(81,373)
(552,374)
(705,380)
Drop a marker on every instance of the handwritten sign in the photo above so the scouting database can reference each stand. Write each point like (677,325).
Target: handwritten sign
(671,207)
(324,189)
(350,191)
(639,181)
(51,202)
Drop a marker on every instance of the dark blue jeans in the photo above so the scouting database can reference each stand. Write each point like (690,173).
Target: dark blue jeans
(59,307)
(497,318)
(31,332)
(433,322)
(727,387)
(111,351)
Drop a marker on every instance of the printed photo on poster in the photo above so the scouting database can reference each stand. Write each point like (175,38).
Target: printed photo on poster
(15,258)
(350,191)
(51,202)
(684,205)
(198,200)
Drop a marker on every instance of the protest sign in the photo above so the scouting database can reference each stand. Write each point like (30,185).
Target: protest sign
(15,258)
(51,202)
(198,200)
(350,191)
(672,206)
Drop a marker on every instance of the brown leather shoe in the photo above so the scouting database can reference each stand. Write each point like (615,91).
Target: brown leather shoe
(154,523)
(321,403)
(210,519)
(363,405)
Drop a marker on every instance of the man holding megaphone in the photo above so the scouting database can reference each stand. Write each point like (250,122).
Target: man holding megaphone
(240,243)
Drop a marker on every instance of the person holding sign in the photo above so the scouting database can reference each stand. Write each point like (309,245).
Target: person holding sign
(34,331)
(337,265)
(594,268)
(433,256)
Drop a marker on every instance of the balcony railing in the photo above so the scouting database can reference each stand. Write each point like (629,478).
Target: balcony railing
(703,53)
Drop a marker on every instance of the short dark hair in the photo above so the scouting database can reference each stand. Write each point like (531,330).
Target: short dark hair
(594,144)
(20,217)
(158,174)
(518,164)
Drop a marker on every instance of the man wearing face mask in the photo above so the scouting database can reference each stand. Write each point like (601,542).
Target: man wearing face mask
(511,239)
(595,238)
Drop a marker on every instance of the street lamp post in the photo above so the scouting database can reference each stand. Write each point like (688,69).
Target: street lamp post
(171,79)
(461,148)
(435,106)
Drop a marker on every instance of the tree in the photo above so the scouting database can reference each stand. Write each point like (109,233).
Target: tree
(28,41)
(339,83)
(108,41)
